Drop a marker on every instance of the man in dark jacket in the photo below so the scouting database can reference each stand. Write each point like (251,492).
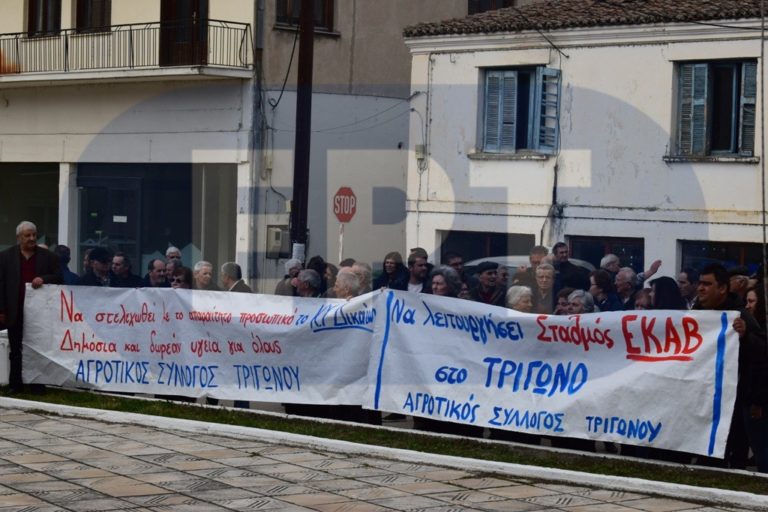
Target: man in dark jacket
(98,274)
(713,294)
(21,264)
(121,275)
(232,278)
(486,290)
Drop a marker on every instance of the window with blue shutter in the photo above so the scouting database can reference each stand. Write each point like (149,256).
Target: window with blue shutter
(716,108)
(521,110)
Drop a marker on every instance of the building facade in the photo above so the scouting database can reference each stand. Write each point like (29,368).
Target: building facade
(137,125)
(625,127)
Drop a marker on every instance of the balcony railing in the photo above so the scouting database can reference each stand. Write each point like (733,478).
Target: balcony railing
(125,47)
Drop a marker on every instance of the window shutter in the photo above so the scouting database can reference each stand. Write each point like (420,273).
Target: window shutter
(546,117)
(492,103)
(509,111)
(692,129)
(747,107)
(500,111)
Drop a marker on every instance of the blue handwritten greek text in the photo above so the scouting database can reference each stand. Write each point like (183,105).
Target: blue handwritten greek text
(480,327)
(109,372)
(187,376)
(631,429)
(441,406)
(531,420)
(269,378)
(537,376)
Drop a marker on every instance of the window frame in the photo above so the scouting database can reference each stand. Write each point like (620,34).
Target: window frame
(93,15)
(500,131)
(43,18)
(292,9)
(695,110)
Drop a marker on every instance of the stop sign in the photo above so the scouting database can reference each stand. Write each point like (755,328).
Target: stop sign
(344,204)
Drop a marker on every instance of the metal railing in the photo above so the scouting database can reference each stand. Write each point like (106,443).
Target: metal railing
(135,46)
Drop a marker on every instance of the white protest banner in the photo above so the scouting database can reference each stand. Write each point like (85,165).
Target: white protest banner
(660,378)
(198,343)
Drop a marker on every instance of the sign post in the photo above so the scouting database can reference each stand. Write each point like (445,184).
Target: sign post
(344,207)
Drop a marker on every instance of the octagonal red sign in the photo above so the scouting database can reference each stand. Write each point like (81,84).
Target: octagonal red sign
(344,204)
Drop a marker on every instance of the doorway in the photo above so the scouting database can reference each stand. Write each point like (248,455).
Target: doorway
(183,32)
(110,215)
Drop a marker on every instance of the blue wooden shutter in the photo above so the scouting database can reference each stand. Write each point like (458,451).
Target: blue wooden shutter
(500,111)
(546,113)
(747,107)
(693,136)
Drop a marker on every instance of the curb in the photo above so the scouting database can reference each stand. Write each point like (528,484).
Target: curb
(677,491)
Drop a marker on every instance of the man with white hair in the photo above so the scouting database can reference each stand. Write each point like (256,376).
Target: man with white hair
(173,254)
(202,277)
(364,273)
(611,264)
(307,283)
(21,264)
(625,282)
(285,287)
(347,284)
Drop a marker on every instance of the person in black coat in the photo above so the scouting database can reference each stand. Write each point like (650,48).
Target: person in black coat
(395,275)
(98,273)
(21,264)
(121,275)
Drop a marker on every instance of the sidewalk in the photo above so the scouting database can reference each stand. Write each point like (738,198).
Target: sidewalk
(55,463)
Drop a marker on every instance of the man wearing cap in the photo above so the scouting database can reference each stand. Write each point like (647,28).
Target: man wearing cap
(486,290)
(21,264)
(98,275)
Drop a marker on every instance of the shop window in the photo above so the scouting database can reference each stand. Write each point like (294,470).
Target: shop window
(698,254)
(592,249)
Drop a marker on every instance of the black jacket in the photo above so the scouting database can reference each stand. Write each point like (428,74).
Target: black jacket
(46,267)
(752,387)
(399,282)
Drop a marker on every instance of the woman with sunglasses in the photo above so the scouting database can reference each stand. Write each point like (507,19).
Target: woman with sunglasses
(181,278)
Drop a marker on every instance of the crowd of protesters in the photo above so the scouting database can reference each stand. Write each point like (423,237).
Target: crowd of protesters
(555,284)
(551,284)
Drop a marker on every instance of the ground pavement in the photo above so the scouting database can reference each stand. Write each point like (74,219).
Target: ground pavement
(53,463)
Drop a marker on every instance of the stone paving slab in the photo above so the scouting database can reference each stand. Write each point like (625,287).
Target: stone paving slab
(50,463)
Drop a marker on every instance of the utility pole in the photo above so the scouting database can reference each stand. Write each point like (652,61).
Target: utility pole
(299,205)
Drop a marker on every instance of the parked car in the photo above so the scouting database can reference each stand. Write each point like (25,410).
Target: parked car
(513,262)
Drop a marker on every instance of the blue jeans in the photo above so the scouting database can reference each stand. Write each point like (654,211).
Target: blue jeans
(757,431)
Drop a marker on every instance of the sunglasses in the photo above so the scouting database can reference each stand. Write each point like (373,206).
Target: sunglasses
(178,280)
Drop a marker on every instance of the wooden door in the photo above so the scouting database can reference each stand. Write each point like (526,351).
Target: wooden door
(183,32)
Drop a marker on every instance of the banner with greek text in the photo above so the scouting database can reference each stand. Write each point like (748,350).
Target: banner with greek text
(198,343)
(665,379)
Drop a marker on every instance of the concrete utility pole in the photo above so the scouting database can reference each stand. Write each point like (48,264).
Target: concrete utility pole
(299,206)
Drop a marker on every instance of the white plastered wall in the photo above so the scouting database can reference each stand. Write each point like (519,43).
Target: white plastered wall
(617,114)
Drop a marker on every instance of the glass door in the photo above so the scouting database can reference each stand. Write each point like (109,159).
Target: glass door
(110,216)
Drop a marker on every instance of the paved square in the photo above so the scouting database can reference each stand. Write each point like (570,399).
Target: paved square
(51,463)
